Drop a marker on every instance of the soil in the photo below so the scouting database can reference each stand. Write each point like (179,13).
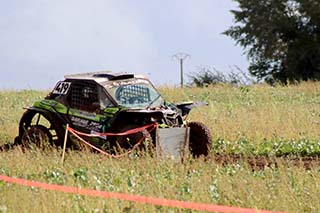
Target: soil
(255,162)
(261,162)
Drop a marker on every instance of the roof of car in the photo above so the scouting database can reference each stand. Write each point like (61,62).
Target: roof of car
(103,76)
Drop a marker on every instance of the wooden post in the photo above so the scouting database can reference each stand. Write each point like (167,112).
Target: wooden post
(65,143)
(158,145)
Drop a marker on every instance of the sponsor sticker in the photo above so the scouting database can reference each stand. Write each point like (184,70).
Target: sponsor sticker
(100,136)
(91,125)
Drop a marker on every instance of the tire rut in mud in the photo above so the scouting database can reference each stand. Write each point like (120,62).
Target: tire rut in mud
(261,162)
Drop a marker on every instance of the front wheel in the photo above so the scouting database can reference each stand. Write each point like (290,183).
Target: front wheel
(200,139)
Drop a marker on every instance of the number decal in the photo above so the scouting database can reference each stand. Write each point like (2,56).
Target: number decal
(61,88)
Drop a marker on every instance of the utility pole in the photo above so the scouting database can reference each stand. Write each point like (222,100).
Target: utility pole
(181,57)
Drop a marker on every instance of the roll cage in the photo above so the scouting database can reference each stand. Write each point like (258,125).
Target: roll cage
(91,93)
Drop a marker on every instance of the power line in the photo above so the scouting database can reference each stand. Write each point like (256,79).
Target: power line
(181,57)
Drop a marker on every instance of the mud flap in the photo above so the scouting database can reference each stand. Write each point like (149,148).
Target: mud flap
(172,143)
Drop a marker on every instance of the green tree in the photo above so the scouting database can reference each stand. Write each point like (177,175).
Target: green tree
(280,38)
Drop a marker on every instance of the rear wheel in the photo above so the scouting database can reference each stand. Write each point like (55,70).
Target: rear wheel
(200,139)
(37,136)
(40,124)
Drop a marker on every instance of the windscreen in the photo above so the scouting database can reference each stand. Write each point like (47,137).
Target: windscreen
(138,93)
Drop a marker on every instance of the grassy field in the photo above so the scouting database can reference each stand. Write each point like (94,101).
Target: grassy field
(252,120)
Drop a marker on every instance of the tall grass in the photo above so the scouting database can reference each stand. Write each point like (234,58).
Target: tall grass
(255,113)
(11,110)
(291,189)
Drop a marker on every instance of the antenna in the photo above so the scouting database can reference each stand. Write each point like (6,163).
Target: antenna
(181,57)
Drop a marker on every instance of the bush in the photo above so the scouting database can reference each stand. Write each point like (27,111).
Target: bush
(209,75)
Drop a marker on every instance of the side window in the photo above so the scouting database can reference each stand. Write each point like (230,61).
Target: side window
(104,99)
(84,96)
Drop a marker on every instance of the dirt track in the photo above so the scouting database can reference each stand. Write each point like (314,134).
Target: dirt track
(255,162)
(260,162)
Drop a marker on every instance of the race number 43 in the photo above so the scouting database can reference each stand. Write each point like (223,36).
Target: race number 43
(61,88)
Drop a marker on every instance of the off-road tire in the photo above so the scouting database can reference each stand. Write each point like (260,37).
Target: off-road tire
(55,125)
(200,139)
(36,136)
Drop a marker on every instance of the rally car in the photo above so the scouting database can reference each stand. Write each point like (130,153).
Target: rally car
(107,102)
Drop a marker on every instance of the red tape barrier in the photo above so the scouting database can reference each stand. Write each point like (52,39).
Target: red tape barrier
(132,131)
(133,198)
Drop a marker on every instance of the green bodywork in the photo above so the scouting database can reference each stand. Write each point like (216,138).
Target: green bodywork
(51,105)
(56,107)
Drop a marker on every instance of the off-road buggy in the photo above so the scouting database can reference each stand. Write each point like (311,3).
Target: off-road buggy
(110,102)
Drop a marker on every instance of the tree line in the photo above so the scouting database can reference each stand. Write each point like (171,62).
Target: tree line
(281,38)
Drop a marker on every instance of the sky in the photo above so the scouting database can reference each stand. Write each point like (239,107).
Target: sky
(43,40)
